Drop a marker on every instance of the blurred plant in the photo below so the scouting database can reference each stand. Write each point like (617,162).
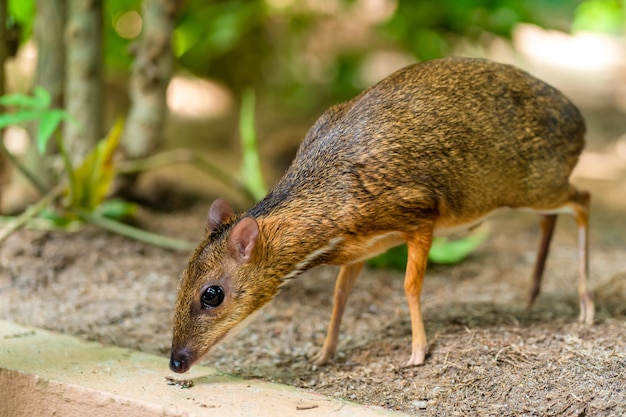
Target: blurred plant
(427,28)
(32,108)
(251,161)
(250,184)
(85,189)
(267,43)
(82,193)
(604,16)
(285,47)
(21,17)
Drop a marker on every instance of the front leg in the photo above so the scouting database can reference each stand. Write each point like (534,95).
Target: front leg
(418,244)
(343,286)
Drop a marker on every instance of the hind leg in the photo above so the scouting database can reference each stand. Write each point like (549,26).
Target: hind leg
(579,202)
(548,222)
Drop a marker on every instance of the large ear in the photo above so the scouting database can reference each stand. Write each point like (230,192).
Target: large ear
(243,238)
(218,213)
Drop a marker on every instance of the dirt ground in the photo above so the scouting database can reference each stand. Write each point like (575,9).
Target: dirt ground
(488,354)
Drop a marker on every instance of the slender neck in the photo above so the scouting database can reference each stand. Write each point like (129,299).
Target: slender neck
(297,229)
(293,242)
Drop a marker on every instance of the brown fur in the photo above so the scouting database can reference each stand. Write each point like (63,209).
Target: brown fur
(435,145)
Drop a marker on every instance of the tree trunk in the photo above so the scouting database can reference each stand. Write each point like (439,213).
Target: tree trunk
(49,29)
(50,74)
(4,51)
(3,57)
(83,85)
(152,69)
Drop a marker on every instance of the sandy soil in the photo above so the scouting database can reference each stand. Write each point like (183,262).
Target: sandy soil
(488,354)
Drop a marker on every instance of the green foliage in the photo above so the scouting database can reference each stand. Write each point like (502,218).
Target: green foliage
(251,164)
(449,252)
(207,30)
(116,208)
(90,183)
(21,13)
(604,16)
(87,186)
(116,48)
(394,258)
(34,108)
(426,27)
(252,42)
(55,220)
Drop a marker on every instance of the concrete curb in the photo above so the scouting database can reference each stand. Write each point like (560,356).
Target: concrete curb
(49,374)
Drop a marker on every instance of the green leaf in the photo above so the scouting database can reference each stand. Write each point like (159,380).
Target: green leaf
(395,258)
(39,101)
(450,252)
(57,219)
(51,214)
(10,119)
(117,209)
(48,123)
(252,175)
(22,10)
(602,16)
(42,96)
(93,179)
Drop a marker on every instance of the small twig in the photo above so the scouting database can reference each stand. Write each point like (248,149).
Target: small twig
(30,212)
(176,156)
(133,232)
(577,398)
(29,175)
(306,407)
(495,359)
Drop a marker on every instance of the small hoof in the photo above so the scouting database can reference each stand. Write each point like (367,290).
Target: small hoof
(321,358)
(417,358)
(587,311)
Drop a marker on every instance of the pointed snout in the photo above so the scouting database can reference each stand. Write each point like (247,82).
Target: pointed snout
(180,361)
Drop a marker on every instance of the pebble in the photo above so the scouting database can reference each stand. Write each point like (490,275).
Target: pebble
(421,405)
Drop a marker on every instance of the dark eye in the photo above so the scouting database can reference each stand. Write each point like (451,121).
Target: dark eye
(212,297)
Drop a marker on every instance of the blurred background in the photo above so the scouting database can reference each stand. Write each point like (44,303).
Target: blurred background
(299,57)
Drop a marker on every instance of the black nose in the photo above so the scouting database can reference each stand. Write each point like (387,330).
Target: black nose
(179,361)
